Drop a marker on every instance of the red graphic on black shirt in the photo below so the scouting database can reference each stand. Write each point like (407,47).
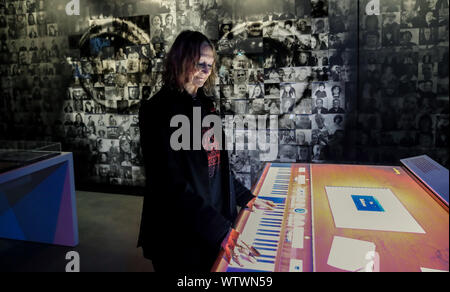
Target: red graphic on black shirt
(211,146)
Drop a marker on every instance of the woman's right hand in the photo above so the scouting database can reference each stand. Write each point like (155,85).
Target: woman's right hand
(244,251)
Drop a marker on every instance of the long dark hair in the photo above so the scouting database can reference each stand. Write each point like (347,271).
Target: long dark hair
(183,57)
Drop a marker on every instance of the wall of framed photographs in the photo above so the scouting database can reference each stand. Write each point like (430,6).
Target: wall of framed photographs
(344,86)
(403,99)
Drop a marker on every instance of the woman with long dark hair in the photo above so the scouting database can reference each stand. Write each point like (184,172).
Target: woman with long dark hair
(191,195)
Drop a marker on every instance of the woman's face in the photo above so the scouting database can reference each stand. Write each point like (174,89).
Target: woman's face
(319,103)
(169,19)
(273,107)
(226,92)
(303,58)
(204,67)
(258,105)
(301,137)
(336,91)
(257,91)
(125,146)
(313,42)
(242,90)
(156,21)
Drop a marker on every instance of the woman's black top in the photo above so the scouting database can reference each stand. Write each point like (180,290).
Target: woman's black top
(191,196)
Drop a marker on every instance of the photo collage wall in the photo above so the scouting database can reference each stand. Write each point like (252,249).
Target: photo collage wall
(32,48)
(292,60)
(403,99)
(284,59)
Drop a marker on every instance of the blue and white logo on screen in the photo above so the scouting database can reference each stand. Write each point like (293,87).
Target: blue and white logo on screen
(367,203)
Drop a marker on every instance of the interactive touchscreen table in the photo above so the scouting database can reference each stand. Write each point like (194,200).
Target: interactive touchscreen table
(348,218)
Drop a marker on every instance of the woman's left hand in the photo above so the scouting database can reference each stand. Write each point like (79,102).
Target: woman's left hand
(261,204)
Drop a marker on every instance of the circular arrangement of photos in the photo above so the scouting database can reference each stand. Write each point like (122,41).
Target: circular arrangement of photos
(284,62)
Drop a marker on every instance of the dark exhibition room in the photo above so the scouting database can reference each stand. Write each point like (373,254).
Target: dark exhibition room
(224,136)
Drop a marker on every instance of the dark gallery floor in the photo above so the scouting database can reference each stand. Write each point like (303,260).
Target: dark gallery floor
(108,230)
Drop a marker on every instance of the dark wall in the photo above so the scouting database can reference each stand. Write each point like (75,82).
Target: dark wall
(403,94)
(278,58)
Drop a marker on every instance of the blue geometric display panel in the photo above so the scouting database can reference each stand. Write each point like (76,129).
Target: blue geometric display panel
(40,207)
